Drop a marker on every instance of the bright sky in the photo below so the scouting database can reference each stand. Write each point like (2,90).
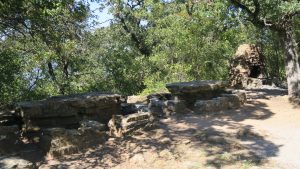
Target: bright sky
(102,17)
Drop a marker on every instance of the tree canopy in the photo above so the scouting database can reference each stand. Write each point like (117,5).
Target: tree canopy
(48,49)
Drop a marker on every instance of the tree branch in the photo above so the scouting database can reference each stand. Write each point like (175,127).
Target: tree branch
(254,16)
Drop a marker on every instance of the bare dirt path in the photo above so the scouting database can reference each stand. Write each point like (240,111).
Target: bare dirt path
(281,124)
(263,134)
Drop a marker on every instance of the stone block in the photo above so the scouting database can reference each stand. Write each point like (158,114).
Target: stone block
(120,125)
(196,86)
(196,90)
(177,106)
(156,107)
(233,101)
(60,141)
(137,99)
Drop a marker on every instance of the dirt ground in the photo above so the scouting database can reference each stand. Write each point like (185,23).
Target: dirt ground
(264,133)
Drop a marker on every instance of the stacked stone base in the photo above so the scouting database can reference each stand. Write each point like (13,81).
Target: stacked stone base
(205,96)
(60,141)
(225,102)
(121,125)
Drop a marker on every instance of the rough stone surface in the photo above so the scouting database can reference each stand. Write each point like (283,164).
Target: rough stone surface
(196,86)
(177,106)
(252,83)
(190,92)
(156,107)
(121,125)
(60,141)
(215,105)
(160,96)
(15,163)
(137,99)
(225,102)
(67,111)
(247,68)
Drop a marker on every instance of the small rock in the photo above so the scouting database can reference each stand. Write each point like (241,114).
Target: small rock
(166,140)
(16,163)
(215,139)
(186,141)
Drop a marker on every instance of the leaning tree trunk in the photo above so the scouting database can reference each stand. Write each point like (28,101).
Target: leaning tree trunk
(291,62)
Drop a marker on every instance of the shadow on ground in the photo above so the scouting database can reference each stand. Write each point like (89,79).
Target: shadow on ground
(214,140)
(184,140)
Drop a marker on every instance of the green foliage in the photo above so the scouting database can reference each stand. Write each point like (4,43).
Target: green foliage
(10,82)
(46,50)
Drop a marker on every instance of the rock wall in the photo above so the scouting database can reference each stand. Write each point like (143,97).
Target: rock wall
(67,111)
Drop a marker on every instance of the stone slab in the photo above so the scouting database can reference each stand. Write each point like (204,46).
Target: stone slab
(196,86)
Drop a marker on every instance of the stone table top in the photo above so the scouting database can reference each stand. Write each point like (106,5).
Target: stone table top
(196,86)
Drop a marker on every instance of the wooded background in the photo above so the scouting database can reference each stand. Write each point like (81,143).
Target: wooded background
(48,47)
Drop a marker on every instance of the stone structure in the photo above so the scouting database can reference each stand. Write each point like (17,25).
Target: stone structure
(68,124)
(67,111)
(60,141)
(206,96)
(247,68)
(120,125)
(225,102)
(61,124)
(190,92)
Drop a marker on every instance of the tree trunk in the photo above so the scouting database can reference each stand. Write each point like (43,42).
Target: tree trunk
(291,62)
